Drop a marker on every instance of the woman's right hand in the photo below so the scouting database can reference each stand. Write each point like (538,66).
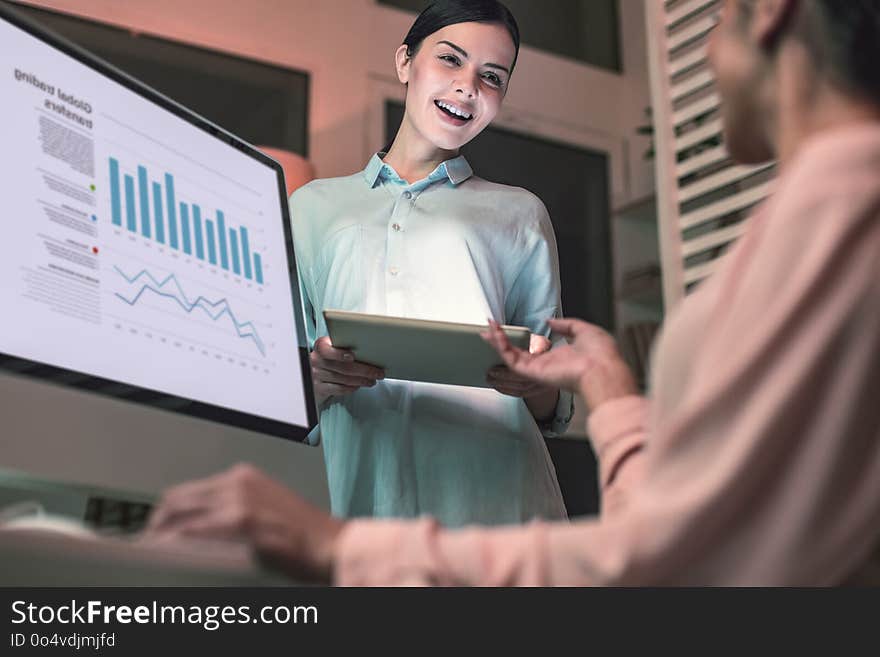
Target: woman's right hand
(336,372)
(589,365)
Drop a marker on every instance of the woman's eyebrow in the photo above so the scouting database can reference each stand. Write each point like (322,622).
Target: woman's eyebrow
(464,54)
(461,50)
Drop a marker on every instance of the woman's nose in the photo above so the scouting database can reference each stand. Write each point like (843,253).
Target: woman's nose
(465,87)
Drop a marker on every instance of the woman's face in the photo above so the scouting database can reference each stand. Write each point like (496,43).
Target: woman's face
(736,63)
(456,81)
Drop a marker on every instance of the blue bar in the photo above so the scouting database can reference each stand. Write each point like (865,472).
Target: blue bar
(115,198)
(184,228)
(157,205)
(212,251)
(233,244)
(129,204)
(197,227)
(245,252)
(144,188)
(172,211)
(258,268)
(221,239)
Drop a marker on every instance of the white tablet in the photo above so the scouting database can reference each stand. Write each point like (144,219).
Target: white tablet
(420,350)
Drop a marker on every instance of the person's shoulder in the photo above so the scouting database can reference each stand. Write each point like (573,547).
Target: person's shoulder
(322,198)
(522,202)
(820,229)
(834,173)
(518,193)
(819,196)
(324,189)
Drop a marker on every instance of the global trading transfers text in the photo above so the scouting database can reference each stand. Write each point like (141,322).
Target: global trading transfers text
(57,92)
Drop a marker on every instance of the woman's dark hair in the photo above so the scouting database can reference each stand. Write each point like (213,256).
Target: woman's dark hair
(442,13)
(849,45)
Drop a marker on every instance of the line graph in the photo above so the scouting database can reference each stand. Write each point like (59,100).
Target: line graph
(158,287)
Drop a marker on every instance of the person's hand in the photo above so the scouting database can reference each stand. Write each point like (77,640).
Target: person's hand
(244,504)
(589,365)
(502,379)
(336,372)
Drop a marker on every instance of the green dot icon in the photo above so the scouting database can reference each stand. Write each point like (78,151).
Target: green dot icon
(92,187)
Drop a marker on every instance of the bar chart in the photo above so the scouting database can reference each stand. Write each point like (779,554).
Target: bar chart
(151,208)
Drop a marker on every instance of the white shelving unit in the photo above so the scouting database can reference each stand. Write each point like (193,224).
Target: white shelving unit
(637,281)
(638,298)
(636,256)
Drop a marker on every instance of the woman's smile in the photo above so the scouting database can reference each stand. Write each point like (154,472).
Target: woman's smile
(453,113)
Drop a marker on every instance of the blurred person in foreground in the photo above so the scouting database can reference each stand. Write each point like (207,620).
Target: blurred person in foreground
(757,459)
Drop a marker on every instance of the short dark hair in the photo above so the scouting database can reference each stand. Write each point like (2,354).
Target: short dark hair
(849,44)
(442,13)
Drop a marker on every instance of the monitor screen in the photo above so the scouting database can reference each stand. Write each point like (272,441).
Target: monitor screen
(149,253)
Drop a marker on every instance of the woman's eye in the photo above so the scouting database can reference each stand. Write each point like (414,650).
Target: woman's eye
(452,59)
(493,79)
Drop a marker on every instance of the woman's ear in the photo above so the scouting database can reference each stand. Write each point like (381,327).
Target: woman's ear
(772,18)
(402,61)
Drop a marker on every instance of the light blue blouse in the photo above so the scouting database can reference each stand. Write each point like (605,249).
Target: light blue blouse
(450,247)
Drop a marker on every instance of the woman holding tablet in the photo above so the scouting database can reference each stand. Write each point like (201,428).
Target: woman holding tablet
(416,234)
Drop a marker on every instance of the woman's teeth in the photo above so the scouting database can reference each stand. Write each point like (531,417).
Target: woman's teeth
(453,110)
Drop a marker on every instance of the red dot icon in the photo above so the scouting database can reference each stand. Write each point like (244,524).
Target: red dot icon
(95,250)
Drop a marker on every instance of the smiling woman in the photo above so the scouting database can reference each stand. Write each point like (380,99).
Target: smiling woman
(417,235)
(456,71)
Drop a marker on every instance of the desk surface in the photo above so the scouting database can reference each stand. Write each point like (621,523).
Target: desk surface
(40,558)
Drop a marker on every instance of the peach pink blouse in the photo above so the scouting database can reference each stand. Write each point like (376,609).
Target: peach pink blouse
(757,459)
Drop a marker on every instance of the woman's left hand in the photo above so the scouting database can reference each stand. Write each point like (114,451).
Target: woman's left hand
(244,504)
(502,379)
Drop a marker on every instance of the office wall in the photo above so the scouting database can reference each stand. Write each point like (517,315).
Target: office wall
(347,47)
